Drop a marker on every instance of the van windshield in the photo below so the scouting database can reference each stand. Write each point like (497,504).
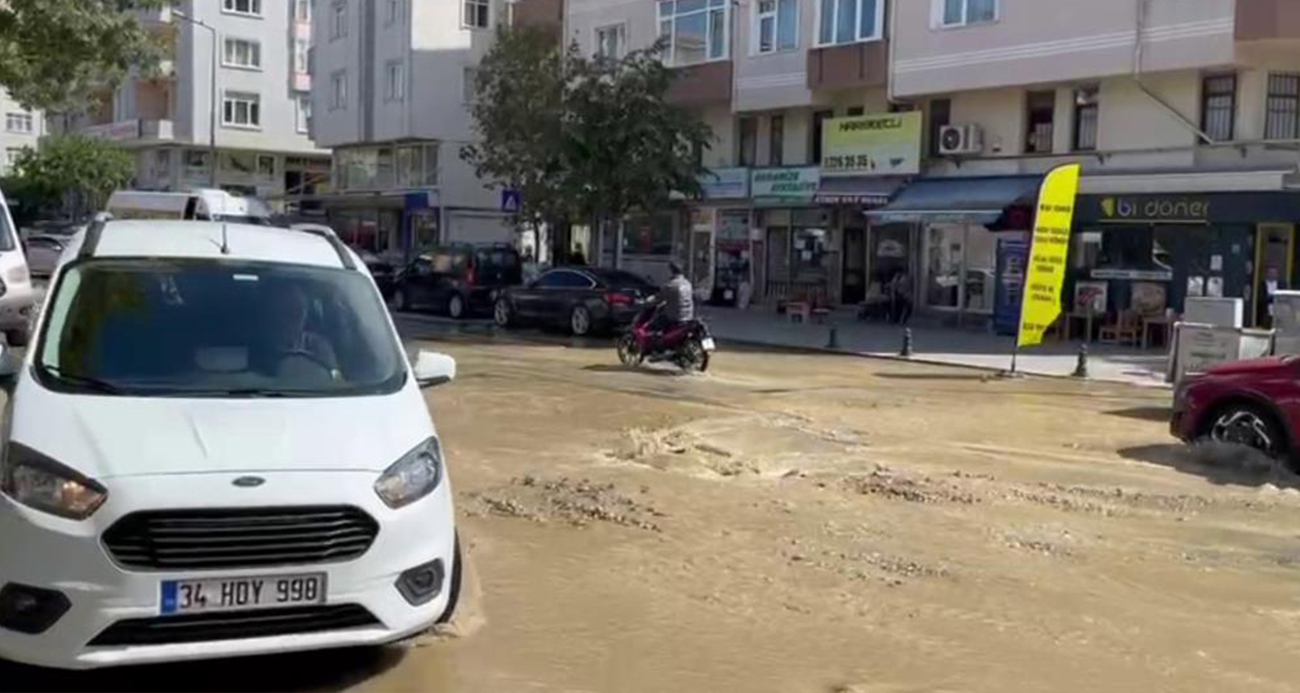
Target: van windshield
(209,328)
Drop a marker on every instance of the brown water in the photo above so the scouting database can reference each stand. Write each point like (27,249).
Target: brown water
(798,523)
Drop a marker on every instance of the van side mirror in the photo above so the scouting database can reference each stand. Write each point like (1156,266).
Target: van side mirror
(10,366)
(433,369)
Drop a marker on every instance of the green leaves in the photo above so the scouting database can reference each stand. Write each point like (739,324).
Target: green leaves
(581,137)
(74,171)
(54,53)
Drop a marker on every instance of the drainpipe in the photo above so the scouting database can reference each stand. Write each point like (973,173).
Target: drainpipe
(1140,26)
(889,69)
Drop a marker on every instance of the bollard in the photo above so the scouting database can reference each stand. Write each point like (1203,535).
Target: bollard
(1081,370)
(833,339)
(906,351)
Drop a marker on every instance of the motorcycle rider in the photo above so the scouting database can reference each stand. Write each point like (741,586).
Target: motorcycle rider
(677,302)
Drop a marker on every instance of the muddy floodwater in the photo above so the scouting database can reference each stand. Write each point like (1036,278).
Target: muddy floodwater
(794,523)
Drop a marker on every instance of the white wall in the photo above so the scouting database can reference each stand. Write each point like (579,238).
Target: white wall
(10,140)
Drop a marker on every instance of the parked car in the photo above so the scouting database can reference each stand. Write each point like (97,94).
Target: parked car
(55,228)
(43,253)
(18,299)
(458,279)
(583,299)
(183,476)
(1254,403)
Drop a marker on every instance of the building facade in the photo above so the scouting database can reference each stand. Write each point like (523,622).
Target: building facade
(394,78)
(254,104)
(1184,114)
(22,130)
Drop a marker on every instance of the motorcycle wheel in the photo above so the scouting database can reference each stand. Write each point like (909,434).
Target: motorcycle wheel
(694,357)
(629,354)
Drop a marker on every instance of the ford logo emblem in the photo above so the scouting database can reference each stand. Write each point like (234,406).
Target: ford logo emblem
(249,481)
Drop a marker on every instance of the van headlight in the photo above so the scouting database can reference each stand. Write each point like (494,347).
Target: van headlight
(40,483)
(413,477)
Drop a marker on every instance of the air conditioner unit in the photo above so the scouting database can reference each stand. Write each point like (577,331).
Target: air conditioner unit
(963,138)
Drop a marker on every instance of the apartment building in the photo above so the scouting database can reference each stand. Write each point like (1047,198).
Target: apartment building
(1185,115)
(23,129)
(770,77)
(395,78)
(253,106)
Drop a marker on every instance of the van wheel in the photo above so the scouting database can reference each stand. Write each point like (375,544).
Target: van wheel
(453,597)
(456,307)
(17,338)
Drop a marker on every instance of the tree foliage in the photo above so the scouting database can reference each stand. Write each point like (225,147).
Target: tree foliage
(581,138)
(75,172)
(53,53)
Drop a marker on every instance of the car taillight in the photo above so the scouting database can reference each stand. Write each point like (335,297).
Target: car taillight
(617,299)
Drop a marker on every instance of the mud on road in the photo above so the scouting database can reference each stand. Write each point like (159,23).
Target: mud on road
(812,523)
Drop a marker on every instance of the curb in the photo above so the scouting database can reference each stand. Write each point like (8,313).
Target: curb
(824,351)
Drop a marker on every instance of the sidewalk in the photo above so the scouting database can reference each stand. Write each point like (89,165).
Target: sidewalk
(937,344)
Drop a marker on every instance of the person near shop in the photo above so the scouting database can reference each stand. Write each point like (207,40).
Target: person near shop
(1272,284)
(900,292)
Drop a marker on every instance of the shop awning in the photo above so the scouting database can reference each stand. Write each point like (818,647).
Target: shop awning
(869,191)
(958,200)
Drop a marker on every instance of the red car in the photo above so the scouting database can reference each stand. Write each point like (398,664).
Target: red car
(1254,403)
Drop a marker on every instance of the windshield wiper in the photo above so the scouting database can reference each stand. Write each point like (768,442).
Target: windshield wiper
(251,392)
(86,381)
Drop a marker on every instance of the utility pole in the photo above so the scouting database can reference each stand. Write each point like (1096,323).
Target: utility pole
(212,98)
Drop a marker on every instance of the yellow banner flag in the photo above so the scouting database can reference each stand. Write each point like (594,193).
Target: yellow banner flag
(1047,256)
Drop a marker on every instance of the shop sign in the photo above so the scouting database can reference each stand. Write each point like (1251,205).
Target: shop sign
(725,184)
(785,184)
(1156,275)
(1155,208)
(881,144)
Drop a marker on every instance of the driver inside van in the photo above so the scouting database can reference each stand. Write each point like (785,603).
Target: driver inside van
(288,333)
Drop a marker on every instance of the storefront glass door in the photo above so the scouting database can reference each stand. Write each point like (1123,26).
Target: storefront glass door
(1275,248)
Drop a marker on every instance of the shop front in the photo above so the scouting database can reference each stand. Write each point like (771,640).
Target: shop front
(720,251)
(948,233)
(1145,254)
(797,250)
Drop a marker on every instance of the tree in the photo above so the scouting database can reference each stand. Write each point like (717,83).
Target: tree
(581,138)
(54,53)
(74,172)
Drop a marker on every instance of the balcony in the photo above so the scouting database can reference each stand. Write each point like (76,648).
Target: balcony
(699,85)
(1267,19)
(137,131)
(850,66)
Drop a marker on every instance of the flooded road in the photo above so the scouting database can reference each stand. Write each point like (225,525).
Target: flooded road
(797,523)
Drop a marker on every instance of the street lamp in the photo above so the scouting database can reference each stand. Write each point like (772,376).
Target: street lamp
(212,100)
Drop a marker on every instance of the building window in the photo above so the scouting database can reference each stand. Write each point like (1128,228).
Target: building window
(302,116)
(611,41)
(338,90)
(1085,118)
(1219,106)
(696,30)
(778,25)
(776,141)
(1041,106)
(302,56)
(393,15)
(747,142)
(252,8)
(13,154)
(243,54)
(266,165)
(196,160)
(242,110)
(818,122)
(468,84)
(339,20)
(940,118)
(1283,119)
(19,122)
(302,10)
(395,80)
(476,14)
(963,12)
(848,21)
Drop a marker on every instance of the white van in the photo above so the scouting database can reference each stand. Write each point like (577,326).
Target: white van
(206,204)
(16,296)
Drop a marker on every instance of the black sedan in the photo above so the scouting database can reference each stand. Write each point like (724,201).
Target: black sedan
(583,299)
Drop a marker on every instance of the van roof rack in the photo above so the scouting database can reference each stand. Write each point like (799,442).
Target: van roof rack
(332,238)
(96,229)
(93,232)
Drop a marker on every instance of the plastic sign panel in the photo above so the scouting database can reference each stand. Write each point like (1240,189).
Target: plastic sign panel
(882,144)
(1047,254)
